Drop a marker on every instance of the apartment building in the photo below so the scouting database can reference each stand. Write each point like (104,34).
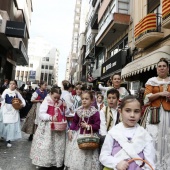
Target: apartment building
(15,18)
(43,63)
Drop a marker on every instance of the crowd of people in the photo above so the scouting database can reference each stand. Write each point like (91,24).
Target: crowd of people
(75,127)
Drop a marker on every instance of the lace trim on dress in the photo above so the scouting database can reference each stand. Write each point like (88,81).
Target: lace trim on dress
(155,82)
(86,113)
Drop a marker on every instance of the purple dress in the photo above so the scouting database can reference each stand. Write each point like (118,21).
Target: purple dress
(132,165)
(93,120)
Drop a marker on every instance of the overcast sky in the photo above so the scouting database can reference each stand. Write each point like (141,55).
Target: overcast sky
(53,20)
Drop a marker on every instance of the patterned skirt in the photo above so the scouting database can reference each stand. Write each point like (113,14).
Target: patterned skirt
(29,126)
(48,147)
(161,137)
(82,159)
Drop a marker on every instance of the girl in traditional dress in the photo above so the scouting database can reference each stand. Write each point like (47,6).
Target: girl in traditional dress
(85,116)
(48,146)
(32,118)
(10,116)
(128,140)
(157,94)
(76,105)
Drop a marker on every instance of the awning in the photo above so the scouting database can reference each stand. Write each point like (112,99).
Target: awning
(146,63)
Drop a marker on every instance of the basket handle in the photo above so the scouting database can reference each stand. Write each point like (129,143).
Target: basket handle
(134,159)
(91,130)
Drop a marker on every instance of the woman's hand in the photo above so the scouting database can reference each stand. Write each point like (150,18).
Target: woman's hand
(122,165)
(165,94)
(70,135)
(83,124)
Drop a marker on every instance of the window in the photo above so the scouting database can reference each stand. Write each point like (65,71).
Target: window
(45,78)
(152,4)
(49,79)
(26,74)
(47,58)
(42,66)
(46,67)
(42,76)
(31,65)
(22,73)
(100,60)
(43,59)
(18,73)
(50,67)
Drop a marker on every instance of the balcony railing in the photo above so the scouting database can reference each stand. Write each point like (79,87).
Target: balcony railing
(148,30)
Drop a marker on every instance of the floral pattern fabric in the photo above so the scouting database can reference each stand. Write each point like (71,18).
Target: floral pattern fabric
(48,147)
(82,159)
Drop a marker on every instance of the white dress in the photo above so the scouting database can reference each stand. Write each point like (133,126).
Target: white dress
(160,132)
(10,130)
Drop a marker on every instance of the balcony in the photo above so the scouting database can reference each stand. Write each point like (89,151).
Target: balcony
(74,57)
(147,31)
(166,14)
(114,26)
(94,22)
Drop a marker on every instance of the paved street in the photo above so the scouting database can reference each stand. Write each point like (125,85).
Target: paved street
(17,157)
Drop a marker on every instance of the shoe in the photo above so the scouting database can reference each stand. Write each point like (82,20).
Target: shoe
(9,145)
(30,138)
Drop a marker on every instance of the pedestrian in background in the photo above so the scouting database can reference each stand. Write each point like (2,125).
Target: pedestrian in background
(32,118)
(116,82)
(11,130)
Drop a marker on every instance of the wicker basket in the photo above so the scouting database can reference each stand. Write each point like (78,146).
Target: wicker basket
(58,126)
(131,160)
(88,142)
(16,103)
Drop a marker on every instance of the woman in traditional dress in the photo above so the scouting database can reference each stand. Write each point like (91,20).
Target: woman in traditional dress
(157,94)
(85,116)
(32,118)
(48,146)
(116,82)
(10,129)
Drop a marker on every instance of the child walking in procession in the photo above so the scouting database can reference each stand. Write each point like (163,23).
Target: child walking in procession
(128,140)
(86,116)
(10,125)
(109,115)
(32,118)
(48,145)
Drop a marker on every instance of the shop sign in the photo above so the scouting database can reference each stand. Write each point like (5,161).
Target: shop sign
(32,75)
(15,29)
(112,64)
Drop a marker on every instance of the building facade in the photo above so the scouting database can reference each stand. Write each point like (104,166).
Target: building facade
(43,63)
(15,19)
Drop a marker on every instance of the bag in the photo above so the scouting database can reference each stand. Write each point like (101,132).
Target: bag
(88,142)
(144,117)
(154,115)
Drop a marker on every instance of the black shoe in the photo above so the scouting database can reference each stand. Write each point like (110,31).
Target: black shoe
(30,137)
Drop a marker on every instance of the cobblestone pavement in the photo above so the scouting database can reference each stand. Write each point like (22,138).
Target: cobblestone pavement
(17,157)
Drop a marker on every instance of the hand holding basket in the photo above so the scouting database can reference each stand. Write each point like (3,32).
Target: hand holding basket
(131,160)
(59,125)
(88,142)
(16,103)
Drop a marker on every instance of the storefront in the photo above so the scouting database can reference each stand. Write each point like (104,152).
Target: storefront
(140,70)
(114,64)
